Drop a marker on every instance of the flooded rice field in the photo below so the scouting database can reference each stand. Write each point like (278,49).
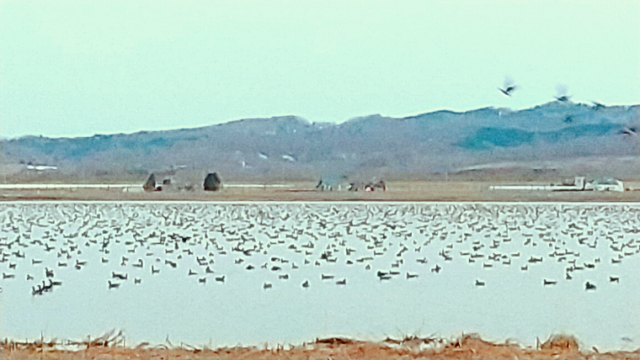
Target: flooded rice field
(249,273)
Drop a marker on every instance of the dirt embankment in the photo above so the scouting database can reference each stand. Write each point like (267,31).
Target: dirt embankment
(465,347)
(396,191)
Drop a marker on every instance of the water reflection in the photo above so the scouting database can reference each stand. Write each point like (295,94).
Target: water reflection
(249,273)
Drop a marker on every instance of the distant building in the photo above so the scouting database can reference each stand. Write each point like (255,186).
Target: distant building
(605,184)
(41,167)
(333,183)
(577,184)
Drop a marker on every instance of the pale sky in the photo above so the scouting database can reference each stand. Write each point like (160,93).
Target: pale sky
(77,68)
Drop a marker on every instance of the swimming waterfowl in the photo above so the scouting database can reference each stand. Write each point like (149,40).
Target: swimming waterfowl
(115,275)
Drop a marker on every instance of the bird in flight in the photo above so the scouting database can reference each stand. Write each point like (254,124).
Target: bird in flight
(630,131)
(561,94)
(509,87)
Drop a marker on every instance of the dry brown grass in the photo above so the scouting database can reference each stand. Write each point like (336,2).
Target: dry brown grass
(303,191)
(466,347)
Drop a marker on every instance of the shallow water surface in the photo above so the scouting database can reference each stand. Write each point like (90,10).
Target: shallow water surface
(372,269)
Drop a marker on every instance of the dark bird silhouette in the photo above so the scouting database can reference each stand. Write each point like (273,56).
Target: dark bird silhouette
(629,131)
(479,283)
(508,90)
(115,275)
(561,94)
(509,87)
(549,282)
(305,284)
(589,286)
(534,259)
(614,279)
(266,286)
(341,282)
(113,285)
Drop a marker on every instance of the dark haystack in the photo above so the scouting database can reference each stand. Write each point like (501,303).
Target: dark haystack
(212,182)
(150,185)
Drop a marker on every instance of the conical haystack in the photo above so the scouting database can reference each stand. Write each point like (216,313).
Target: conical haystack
(150,184)
(212,182)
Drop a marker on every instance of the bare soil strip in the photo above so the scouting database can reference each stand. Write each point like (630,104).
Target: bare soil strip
(466,347)
(302,191)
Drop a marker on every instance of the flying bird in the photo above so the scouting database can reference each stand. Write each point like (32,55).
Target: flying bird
(561,94)
(630,131)
(509,87)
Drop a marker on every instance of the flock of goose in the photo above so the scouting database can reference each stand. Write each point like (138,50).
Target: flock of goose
(393,242)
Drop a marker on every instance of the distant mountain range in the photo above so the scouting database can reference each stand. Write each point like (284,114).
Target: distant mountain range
(555,136)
